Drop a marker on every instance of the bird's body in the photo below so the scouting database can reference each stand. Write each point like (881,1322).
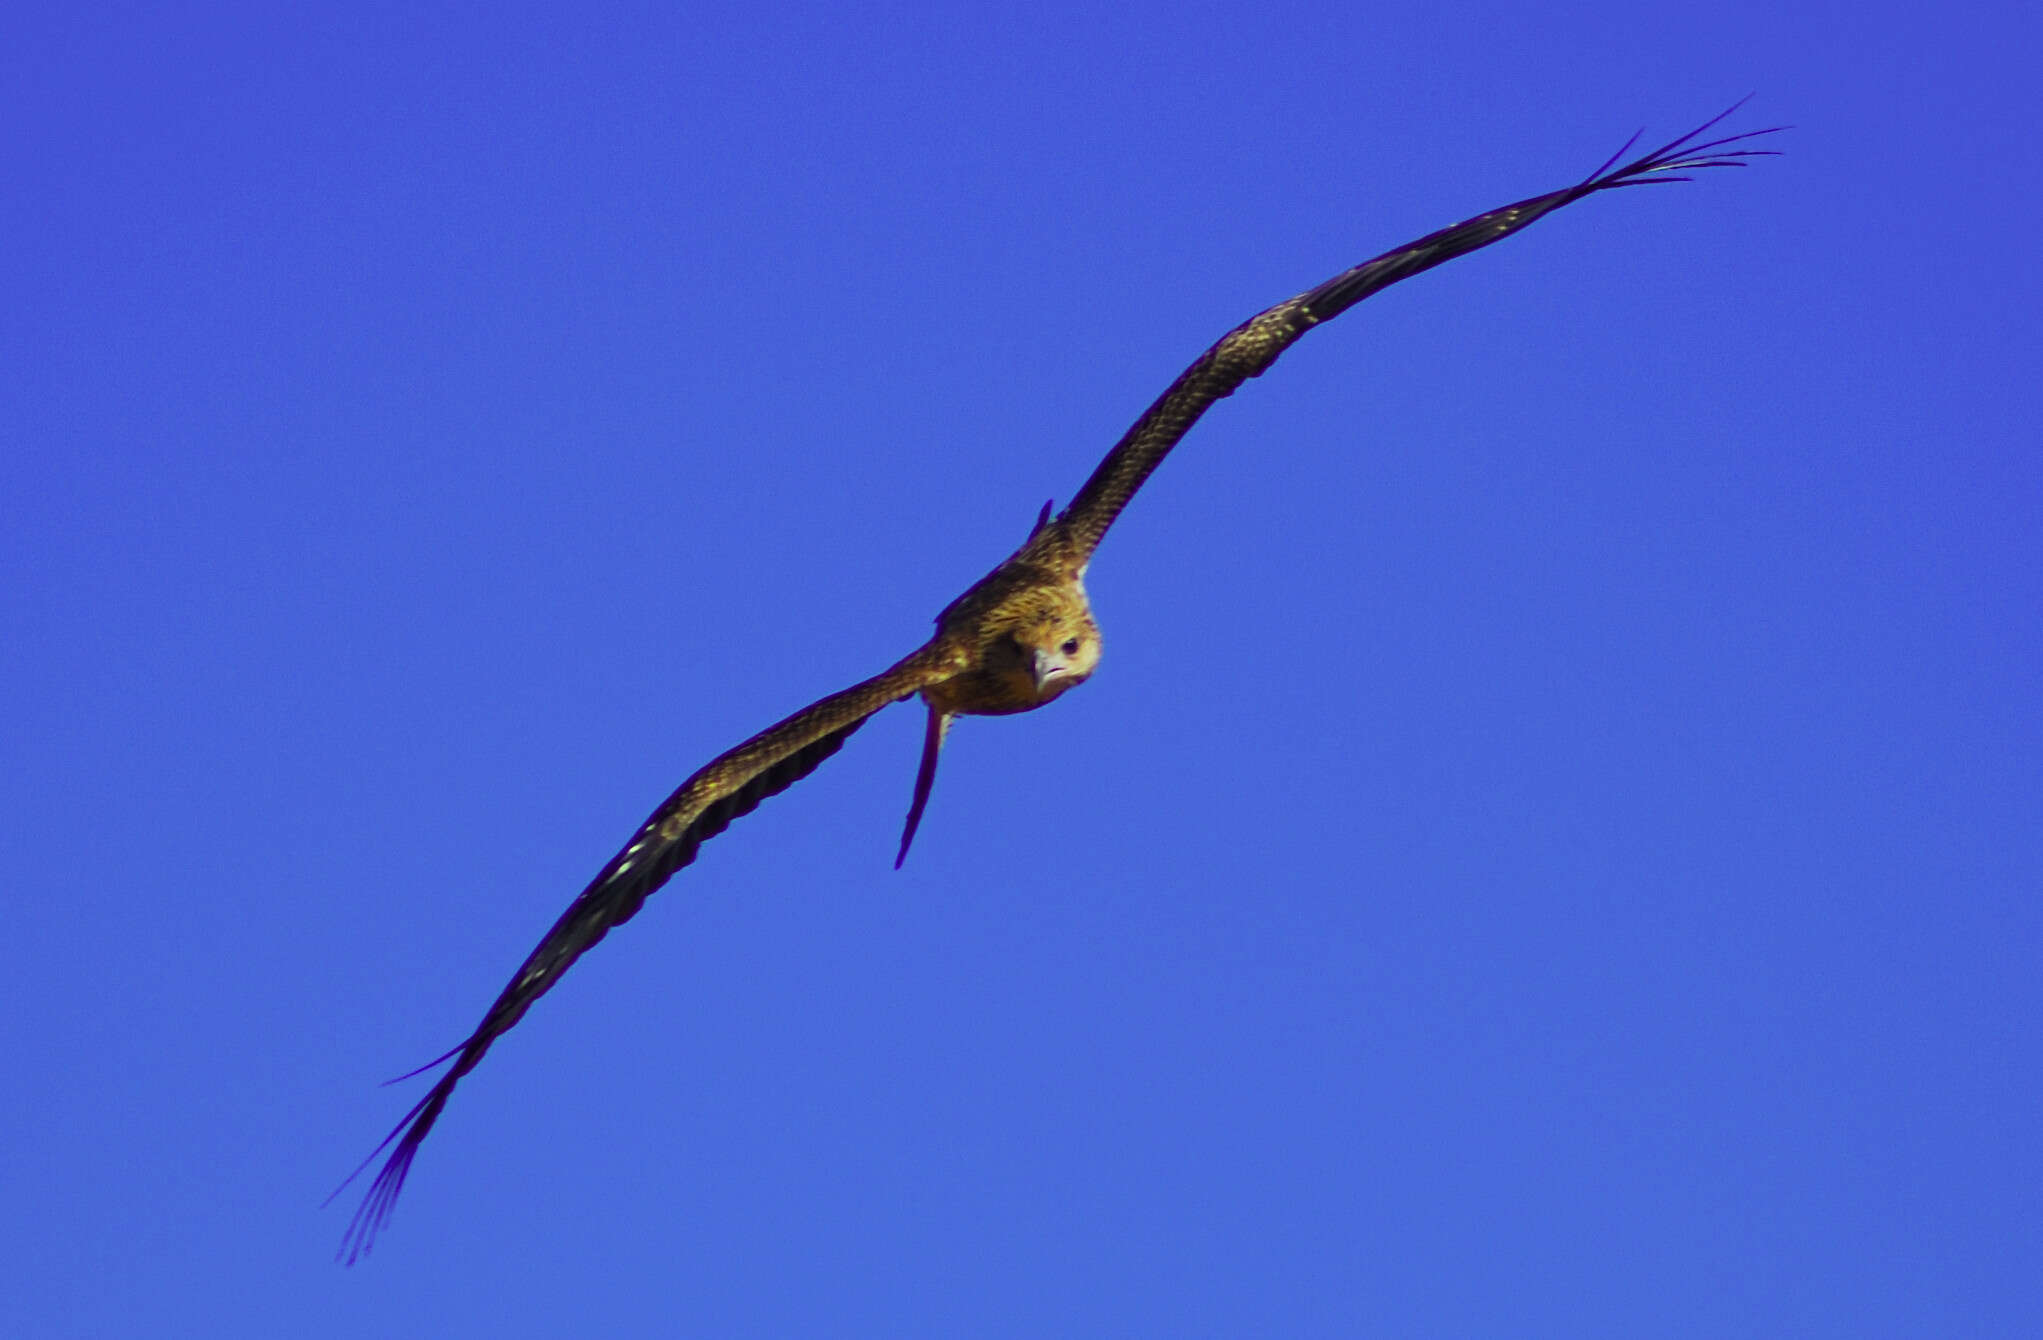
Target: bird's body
(1014,641)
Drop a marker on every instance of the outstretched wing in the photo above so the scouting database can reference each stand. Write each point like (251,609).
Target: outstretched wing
(730,786)
(1250,348)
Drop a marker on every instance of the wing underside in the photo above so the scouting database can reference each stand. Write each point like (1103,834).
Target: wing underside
(728,788)
(1250,348)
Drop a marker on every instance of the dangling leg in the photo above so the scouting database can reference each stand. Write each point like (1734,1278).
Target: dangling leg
(932,743)
(1042,518)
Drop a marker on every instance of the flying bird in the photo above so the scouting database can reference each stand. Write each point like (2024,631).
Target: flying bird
(1018,638)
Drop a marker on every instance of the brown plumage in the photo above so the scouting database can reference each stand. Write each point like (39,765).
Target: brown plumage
(1018,638)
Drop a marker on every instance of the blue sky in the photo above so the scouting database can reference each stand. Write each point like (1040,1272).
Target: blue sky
(1552,849)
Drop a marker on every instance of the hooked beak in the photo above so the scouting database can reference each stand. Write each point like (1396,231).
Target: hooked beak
(1047,665)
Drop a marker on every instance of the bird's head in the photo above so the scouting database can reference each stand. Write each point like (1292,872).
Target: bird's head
(1057,649)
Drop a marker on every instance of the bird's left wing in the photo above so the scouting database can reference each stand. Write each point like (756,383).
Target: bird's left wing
(730,786)
(1250,348)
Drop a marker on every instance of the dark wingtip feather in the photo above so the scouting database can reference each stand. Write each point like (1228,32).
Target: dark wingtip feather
(416,1071)
(374,1212)
(373,1216)
(1622,150)
(1685,153)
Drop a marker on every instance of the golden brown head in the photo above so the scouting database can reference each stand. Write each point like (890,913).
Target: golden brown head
(1023,647)
(1056,649)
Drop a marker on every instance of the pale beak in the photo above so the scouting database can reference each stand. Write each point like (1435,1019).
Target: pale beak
(1046,665)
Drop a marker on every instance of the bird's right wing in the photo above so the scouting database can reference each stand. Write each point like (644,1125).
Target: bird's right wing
(730,786)
(1250,348)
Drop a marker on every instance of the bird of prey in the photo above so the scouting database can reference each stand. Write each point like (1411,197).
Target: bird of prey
(1016,639)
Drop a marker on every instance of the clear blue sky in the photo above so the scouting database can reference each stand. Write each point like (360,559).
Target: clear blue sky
(1553,848)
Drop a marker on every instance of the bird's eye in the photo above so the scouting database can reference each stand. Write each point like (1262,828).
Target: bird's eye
(1071,646)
